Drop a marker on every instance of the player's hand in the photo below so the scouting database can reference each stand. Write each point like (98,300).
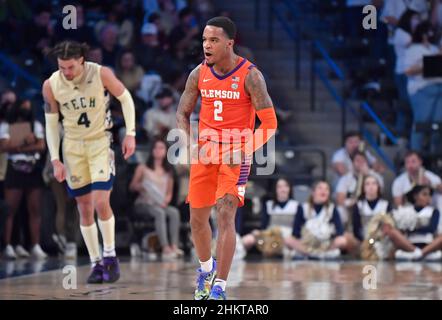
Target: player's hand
(128,146)
(59,170)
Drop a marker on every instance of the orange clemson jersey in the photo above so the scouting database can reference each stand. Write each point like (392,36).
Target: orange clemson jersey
(226,107)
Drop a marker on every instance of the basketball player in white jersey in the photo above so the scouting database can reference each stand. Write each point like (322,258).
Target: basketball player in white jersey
(78,91)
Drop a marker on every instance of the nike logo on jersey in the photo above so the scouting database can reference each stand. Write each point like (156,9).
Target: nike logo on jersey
(205,80)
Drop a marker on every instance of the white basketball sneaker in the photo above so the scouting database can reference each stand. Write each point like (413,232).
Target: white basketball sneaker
(9,253)
(433,256)
(38,253)
(21,252)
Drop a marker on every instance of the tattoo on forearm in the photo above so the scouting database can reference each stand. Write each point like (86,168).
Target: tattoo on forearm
(257,88)
(188,101)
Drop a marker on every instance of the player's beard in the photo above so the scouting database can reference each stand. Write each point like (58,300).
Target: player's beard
(210,65)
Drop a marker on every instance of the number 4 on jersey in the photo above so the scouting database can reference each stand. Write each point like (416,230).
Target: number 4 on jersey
(84,120)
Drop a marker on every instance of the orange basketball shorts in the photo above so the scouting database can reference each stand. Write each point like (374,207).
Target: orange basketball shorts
(210,182)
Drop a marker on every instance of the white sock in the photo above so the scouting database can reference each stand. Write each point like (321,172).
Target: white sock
(90,237)
(107,228)
(220,282)
(207,265)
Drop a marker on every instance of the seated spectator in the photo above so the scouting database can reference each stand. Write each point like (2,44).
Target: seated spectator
(108,38)
(416,233)
(349,187)
(161,34)
(277,215)
(162,117)
(317,228)
(341,160)
(128,71)
(186,34)
(24,173)
(402,38)
(415,174)
(152,55)
(370,205)
(425,94)
(169,15)
(38,35)
(95,54)
(154,183)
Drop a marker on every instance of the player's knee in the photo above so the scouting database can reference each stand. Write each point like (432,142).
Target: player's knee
(85,208)
(197,223)
(102,206)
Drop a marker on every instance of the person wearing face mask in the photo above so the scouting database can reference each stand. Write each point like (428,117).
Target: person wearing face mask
(402,39)
(425,93)
(24,174)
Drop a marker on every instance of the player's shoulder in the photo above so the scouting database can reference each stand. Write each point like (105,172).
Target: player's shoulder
(196,71)
(254,75)
(194,75)
(46,87)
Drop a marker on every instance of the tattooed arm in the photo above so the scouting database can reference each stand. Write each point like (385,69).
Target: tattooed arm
(257,89)
(261,101)
(187,102)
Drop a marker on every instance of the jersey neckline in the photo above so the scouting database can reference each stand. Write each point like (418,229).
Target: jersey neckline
(230,72)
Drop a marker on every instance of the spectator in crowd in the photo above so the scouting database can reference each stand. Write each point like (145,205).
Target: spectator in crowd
(23,138)
(401,40)
(185,36)
(369,205)
(277,215)
(39,33)
(119,15)
(95,54)
(169,15)
(436,14)
(162,117)
(317,228)
(109,44)
(128,71)
(349,186)
(204,9)
(414,174)
(151,55)
(154,183)
(341,160)
(425,94)
(7,99)
(416,235)
(162,36)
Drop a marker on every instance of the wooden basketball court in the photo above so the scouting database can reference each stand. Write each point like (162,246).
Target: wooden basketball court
(281,280)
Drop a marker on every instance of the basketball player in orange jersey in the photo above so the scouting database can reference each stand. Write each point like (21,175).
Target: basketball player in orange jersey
(232,92)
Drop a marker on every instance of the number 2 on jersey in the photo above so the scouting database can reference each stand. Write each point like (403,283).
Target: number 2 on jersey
(84,120)
(218,109)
